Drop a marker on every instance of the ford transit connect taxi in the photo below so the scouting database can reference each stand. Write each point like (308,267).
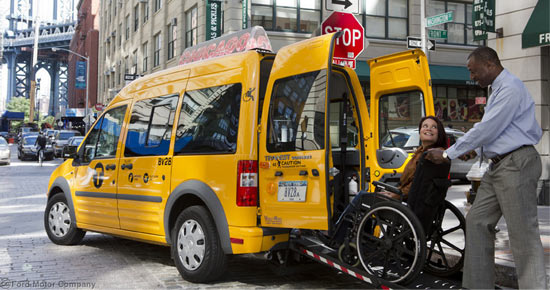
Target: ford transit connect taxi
(227,152)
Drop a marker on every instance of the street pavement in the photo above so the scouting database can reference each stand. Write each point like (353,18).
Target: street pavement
(28,259)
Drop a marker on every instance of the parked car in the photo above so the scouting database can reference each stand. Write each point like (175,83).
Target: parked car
(4,134)
(71,146)
(408,139)
(4,151)
(28,150)
(50,133)
(61,138)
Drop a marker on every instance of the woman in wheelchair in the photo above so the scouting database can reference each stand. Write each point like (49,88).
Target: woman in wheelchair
(424,184)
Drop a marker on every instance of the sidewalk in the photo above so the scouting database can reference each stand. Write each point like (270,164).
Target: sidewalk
(504,260)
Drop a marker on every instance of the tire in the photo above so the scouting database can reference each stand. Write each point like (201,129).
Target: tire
(443,257)
(196,247)
(58,223)
(391,243)
(18,154)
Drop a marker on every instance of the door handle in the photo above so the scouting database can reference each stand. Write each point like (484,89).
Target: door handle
(303,172)
(110,167)
(126,166)
(278,173)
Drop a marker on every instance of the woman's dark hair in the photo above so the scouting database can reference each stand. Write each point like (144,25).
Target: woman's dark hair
(441,135)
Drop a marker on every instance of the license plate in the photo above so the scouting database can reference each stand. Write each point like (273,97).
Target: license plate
(292,191)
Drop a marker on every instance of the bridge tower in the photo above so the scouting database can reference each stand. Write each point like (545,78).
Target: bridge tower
(55,30)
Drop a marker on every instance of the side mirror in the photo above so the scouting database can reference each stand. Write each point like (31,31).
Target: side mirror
(391,158)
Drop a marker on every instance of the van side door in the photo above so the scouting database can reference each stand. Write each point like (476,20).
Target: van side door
(146,162)
(401,94)
(294,148)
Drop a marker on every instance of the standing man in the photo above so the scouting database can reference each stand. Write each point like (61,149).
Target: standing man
(505,135)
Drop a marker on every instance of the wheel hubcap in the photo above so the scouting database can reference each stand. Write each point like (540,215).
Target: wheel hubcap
(59,219)
(191,245)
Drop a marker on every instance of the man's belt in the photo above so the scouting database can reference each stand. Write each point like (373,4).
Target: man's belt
(499,158)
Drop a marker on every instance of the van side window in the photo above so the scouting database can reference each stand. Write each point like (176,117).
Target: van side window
(209,120)
(103,139)
(150,127)
(297,113)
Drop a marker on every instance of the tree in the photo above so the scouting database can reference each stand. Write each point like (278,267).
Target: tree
(20,104)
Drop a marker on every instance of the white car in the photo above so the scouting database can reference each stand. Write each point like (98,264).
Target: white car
(4,151)
(408,138)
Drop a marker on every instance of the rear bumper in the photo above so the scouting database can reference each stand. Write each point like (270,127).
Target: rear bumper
(256,239)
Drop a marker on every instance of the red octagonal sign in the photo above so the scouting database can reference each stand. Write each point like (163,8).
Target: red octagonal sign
(351,43)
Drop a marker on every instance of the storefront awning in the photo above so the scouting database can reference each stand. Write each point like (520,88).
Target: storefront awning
(13,116)
(537,30)
(441,74)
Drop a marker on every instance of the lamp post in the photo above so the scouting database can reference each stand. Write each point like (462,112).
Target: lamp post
(87,78)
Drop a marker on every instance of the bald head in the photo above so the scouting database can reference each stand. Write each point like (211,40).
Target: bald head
(484,65)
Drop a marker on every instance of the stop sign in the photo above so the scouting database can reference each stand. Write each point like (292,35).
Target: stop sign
(352,42)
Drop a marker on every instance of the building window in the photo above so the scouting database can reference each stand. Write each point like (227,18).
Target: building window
(145,11)
(456,105)
(459,31)
(127,26)
(134,62)
(286,15)
(158,5)
(126,65)
(191,21)
(386,18)
(145,52)
(136,18)
(120,36)
(158,46)
(172,35)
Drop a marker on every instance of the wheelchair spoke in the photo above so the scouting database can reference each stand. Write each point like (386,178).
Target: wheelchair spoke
(452,246)
(443,255)
(445,232)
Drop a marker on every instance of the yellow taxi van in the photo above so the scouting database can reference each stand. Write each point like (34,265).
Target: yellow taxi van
(226,152)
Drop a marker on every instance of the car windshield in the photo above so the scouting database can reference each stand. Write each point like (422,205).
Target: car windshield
(66,135)
(51,133)
(405,140)
(3,141)
(30,140)
(76,141)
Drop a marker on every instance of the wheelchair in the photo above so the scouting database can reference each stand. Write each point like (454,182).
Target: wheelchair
(386,238)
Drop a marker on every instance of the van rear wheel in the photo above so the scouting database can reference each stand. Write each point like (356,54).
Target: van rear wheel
(196,247)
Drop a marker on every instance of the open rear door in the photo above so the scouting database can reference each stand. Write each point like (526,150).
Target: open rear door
(294,138)
(401,94)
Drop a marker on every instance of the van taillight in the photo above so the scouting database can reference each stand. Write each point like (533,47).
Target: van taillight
(247,183)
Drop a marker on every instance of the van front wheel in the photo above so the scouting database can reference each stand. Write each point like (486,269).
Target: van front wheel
(196,247)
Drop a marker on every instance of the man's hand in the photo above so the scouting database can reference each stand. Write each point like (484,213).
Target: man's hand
(468,156)
(435,155)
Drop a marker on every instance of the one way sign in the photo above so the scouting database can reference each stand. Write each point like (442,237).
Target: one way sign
(350,6)
(416,42)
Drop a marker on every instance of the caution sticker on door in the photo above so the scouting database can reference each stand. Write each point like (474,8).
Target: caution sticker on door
(292,191)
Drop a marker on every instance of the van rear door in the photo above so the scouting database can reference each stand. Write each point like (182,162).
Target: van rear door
(294,143)
(401,94)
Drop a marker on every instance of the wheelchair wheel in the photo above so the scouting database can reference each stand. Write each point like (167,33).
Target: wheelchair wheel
(445,258)
(391,243)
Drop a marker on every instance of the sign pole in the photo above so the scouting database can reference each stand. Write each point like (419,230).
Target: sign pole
(423,27)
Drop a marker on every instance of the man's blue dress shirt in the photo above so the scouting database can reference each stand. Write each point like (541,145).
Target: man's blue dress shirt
(508,123)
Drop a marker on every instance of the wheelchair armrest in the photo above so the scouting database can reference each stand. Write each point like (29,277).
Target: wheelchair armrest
(386,187)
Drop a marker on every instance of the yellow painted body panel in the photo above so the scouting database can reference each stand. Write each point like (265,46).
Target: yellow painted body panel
(254,240)
(302,57)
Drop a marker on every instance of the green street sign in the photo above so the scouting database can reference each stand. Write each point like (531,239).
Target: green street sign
(439,19)
(435,33)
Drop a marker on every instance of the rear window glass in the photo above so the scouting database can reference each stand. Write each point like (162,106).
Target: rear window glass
(209,120)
